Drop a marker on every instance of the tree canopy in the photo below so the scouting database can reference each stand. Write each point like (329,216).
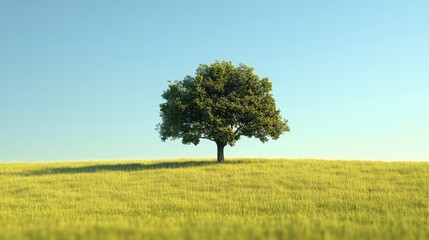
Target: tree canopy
(221,103)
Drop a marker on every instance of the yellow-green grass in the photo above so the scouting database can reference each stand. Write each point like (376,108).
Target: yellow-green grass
(199,199)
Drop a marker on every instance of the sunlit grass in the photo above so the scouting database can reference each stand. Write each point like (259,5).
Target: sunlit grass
(192,199)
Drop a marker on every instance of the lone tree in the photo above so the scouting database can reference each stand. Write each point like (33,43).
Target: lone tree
(221,103)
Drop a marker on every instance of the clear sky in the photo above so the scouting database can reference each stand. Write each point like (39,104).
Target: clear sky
(83,79)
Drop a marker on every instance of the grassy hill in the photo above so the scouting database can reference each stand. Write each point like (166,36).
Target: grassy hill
(242,199)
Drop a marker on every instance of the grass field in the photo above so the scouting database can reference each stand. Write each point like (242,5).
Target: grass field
(242,199)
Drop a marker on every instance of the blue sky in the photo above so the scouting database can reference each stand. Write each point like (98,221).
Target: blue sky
(83,79)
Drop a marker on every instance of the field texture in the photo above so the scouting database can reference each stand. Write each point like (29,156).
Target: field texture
(241,199)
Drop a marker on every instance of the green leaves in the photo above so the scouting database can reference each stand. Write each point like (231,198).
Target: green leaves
(221,103)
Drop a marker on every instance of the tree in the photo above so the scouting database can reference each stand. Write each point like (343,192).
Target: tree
(221,103)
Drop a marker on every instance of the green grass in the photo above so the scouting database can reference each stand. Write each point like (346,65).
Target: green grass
(242,199)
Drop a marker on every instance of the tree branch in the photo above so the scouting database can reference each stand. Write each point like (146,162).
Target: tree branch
(238,129)
(205,137)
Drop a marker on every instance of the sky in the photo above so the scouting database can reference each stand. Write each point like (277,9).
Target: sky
(82,80)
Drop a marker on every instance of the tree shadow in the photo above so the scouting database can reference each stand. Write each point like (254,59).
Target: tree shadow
(128,167)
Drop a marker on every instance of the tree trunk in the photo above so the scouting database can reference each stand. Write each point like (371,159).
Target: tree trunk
(220,156)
